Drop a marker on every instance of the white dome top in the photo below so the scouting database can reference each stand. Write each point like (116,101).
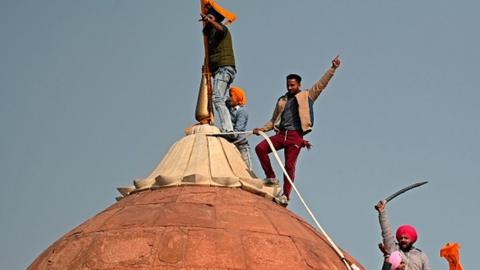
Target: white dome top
(202,159)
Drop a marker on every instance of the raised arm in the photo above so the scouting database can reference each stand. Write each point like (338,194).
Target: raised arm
(318,87)
(387,235)
(210,19)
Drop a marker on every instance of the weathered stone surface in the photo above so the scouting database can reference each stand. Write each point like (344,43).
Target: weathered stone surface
(191,227)
(315,257)
(171,245)
(127,248)
(94,223)
(242,217)
(205,198)
(269,251)
(214,249)
(133,216)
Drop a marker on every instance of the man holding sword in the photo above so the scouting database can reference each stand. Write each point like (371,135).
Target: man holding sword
(406,236)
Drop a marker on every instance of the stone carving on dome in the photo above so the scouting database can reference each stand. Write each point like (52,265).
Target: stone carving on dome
(202,159)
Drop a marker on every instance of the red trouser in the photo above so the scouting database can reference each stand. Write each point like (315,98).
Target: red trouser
(292,142)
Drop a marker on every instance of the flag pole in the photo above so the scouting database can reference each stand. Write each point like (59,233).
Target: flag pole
(206,70)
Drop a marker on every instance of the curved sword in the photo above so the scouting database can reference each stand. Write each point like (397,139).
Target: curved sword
(403,190)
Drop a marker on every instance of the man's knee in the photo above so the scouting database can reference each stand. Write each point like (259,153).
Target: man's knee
(260,149)
(290,167)
(290,164)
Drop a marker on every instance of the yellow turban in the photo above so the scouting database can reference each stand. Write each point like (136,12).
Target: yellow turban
(229,16)
(238,95)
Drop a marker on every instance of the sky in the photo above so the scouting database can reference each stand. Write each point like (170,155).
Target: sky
(93,93)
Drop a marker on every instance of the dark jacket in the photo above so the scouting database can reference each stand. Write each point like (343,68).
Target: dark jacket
(220,48)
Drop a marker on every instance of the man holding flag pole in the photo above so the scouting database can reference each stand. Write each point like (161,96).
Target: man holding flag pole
(219,60)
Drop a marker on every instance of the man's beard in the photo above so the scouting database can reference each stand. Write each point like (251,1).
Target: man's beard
(405,247)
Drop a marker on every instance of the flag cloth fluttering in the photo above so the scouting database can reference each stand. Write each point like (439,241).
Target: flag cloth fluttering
(451,252)
(229,16)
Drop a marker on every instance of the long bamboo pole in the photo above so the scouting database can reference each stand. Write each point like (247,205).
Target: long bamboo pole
(206,70)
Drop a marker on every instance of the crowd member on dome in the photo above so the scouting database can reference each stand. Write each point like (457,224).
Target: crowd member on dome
(221,62)
(406,236)
(291,120)
(239,115)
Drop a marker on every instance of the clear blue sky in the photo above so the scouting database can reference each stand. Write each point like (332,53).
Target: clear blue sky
(93,93)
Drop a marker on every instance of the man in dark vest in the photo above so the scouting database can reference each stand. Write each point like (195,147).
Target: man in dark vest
(221,63)
(291,119)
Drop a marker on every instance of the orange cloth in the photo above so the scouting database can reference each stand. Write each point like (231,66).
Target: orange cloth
(451,252)
(229,16)
(238,95)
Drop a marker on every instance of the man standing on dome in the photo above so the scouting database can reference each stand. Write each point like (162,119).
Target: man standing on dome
(406,235)
(221,62)
(291,120)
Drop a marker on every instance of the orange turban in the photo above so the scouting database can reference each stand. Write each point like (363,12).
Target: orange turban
(229,16)
(238,95)
(451,252)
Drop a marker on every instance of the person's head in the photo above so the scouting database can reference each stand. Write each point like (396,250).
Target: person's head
(396,261)
(406,236)
(237,96)
(294,82)
(218,17)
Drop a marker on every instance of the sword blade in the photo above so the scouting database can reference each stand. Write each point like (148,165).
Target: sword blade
(403,190)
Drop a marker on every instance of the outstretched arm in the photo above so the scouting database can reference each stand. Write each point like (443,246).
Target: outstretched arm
(318,87)
(387,235)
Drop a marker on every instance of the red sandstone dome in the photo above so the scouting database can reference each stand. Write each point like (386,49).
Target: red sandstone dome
(192,227)
(197,220)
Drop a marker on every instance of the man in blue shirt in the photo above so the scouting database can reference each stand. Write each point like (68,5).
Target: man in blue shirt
(238,112)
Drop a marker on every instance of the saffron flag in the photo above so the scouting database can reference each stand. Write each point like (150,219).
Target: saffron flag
(229,16)
(451,252)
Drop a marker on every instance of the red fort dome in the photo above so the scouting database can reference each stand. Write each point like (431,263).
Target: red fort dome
(194,217)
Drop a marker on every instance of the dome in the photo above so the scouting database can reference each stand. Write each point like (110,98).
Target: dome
(192,227)
(200,208)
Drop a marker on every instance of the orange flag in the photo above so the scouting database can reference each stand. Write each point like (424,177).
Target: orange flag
(451,252)
(229,16)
